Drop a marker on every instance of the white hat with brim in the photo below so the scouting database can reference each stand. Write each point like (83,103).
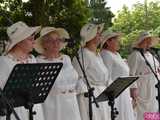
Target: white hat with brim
(143,36)
(46,30)
(89,31)
(19,32)
(108,35)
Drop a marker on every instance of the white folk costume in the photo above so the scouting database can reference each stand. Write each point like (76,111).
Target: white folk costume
(146,83)
(61,103)
(117,67)
(98,78)
(7,63)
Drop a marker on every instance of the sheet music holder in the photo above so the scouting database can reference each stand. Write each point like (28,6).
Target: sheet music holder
(29,84)
(114,90)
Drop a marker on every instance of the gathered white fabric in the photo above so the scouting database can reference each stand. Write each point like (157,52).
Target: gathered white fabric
(98,78)
(146,83)
(61,103)
(117,67)
(6,64)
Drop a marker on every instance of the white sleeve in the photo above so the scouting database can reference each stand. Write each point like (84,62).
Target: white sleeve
(108,61)
(68,59)
(133,65)
(4,73)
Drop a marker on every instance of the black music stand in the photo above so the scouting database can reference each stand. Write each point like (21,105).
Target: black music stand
(29,84)
(114,90)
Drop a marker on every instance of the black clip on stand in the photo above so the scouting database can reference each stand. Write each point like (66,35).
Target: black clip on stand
(158,84)
(113,91)
(90,93)
(111,102)
(30,84)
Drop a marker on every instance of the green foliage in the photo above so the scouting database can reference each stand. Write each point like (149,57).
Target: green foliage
(69,14)
(139,18)
(136,18)
(123,22)
(72,15)
(156,32)
(101,13)
(127,42)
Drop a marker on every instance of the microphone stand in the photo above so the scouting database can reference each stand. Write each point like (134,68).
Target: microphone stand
(158,84)
(8,107)
(90,93)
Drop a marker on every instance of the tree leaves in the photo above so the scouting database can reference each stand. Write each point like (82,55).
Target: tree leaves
(132,22)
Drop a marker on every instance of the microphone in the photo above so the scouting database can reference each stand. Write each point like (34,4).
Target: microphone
(71,43)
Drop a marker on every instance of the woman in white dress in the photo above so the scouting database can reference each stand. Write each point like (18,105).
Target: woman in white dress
(61,103)
(18,51)
(146,98)
(95,70)
(117,67)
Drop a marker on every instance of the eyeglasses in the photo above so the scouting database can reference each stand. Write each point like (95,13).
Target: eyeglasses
(55,40)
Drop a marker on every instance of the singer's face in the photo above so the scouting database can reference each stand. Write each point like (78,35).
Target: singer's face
(113,43)
(95,41)
(52,43)
(146,43)
(27,44)
(149,42)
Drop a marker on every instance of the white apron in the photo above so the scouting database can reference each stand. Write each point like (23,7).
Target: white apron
(146,83)
(98,78)
(61,103)
(117,67)
(6,65)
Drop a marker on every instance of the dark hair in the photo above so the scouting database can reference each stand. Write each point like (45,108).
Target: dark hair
(105,45)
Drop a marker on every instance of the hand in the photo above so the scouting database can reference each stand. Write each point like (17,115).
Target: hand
(134,93)
(134,103)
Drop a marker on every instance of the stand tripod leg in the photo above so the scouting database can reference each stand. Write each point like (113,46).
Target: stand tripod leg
(114,111)
(158,96)
(31,112)
(88,95)
(90,109)
(8,115)
(111,104)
